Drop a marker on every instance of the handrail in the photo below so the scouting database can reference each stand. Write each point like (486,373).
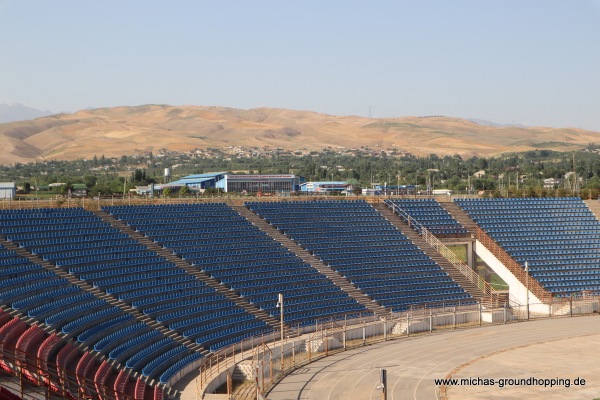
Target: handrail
(514,267)
(441,248)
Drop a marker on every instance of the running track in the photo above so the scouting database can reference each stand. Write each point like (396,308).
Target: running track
(413,363)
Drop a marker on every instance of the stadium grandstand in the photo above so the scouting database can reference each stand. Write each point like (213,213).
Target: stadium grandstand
(356,241)
(125,301)
(557,238)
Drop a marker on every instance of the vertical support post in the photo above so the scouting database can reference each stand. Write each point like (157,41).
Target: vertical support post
(21,382)
(257,379)
(480,314)
(505,310)
(454,317)
(407,324)
(527,280)
(430,321)
(364,333)
(384,329)
(383,384)
(262,364)
(571,305)
(281,326)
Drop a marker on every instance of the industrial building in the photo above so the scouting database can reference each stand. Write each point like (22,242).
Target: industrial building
(200,181)
(324,187)
(8,190)
(281,183)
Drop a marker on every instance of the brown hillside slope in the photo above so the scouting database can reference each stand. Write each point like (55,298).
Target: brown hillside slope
(129,130)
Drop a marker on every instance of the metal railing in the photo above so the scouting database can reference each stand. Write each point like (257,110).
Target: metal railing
(96,203)
(514,267)
(441,248)
(298,352)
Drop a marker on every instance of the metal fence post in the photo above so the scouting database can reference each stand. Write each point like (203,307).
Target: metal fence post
(479,314)
(364,332)
(571,305)
(430,321)
(454,317)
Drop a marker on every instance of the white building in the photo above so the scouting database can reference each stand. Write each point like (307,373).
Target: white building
(8,190)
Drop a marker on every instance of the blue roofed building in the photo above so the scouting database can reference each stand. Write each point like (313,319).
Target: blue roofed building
(199,182)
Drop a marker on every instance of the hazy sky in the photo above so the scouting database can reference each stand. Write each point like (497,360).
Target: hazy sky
(533,62)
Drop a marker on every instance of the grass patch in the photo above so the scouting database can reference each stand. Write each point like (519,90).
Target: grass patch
(460,252)
(490,276)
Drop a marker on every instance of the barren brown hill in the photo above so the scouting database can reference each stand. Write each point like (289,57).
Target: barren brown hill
(129,130)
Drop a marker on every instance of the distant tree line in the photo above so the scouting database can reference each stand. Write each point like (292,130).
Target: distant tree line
(515,174)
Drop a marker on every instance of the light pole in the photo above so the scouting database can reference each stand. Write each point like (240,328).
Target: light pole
(280,305)
(527,286)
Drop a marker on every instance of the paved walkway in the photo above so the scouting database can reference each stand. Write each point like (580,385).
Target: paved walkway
(552,348)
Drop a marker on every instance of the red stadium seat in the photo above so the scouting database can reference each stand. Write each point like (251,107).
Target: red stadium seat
(25,352)
(120,386)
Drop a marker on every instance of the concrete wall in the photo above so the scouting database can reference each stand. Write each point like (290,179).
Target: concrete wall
(517,291)
(219,380)
(194,365)
(7,193)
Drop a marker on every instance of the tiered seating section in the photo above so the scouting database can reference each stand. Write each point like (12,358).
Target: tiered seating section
(116,264)
(355,240)
(220,242)
(83,245)
(431,215)
(72,314)
(558,237)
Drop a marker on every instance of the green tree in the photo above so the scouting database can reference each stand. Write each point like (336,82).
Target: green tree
(184,190)
(167,191)
(90,180)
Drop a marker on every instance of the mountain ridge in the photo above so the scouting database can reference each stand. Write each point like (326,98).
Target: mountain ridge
(19,112)
(127,130)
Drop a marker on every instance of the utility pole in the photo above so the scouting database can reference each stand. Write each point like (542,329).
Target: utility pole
(280,305)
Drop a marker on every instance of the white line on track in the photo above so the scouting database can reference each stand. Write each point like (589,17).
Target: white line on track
(413,363)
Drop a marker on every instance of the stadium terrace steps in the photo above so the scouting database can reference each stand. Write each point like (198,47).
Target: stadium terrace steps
(594,206)
(460,216)
(36,259)
(308,258)
(203,277)
(455,274)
